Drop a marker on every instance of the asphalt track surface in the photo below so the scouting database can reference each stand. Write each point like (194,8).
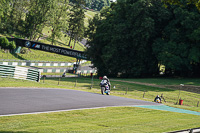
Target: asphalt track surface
(15,101)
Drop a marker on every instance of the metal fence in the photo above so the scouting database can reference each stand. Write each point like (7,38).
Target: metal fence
(8,71)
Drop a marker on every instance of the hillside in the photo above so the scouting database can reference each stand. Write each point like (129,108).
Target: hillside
(46,56)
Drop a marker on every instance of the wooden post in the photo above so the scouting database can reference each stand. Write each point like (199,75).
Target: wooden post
(198,104)
(179,94)
(92,83)
(43,79)
(143,94)
(163,97)
(58,80)
(126,90)
(75,84)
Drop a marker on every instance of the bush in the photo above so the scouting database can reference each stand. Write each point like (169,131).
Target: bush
(24,51)
(12,45)
(4,42)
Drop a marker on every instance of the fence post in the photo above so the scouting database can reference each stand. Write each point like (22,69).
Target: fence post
(43,79)
(126,90)
(198,104)
(163,97)
(92,82)
(143,94)
(58,80)
(75,83)
(179,95)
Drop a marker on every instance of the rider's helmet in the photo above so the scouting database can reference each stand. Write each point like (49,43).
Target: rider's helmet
(104,77)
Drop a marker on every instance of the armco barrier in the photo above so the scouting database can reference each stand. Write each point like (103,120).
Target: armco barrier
(56,70)
(19,73)
(36,63)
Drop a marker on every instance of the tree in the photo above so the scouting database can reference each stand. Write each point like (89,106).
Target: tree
(76,22)
(123,40)
(4,12)
(13,13)
(58,18)
(183,2)
(179,46)
(36,17)
(105,11)
(12,45)
(137,36)
(1,10)
(4,42)
(17,14)
(91,29)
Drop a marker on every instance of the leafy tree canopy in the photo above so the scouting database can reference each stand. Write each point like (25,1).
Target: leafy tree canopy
(179,47)
(122,42)
(183,2)
(137,36)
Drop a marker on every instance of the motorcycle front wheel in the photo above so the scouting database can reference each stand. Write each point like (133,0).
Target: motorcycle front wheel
(102,90)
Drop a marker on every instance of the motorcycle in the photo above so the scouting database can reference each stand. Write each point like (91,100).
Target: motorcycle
(157,99)
(104,87)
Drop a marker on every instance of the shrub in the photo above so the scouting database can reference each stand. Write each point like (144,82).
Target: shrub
(24,51)
(12,45)
(4,42)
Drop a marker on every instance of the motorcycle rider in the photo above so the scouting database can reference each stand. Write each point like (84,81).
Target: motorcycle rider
(157,99)
(108,81)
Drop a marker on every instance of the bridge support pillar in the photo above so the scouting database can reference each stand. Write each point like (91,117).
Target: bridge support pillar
(75,67)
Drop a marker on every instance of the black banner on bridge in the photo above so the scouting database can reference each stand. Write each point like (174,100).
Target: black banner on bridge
(49,48)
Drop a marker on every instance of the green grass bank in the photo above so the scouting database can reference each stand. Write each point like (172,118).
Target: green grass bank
(105,120)
(112,119)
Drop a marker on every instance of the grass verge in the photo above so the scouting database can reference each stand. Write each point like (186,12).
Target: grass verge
(107,120)
(112,119)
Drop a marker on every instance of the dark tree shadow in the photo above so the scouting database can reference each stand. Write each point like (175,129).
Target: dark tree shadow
(18,56)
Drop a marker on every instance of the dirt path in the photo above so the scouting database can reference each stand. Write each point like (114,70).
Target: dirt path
(190,88)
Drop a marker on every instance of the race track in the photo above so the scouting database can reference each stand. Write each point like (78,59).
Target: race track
(34,100)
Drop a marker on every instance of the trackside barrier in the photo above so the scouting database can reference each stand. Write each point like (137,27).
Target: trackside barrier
(19,73)
(36,63)
(86,71)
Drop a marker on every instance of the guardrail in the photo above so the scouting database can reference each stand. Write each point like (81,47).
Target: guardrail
(36,63)
(19,73)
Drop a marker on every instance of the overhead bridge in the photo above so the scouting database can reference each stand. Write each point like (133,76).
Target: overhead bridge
(53,49)
(49,48)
